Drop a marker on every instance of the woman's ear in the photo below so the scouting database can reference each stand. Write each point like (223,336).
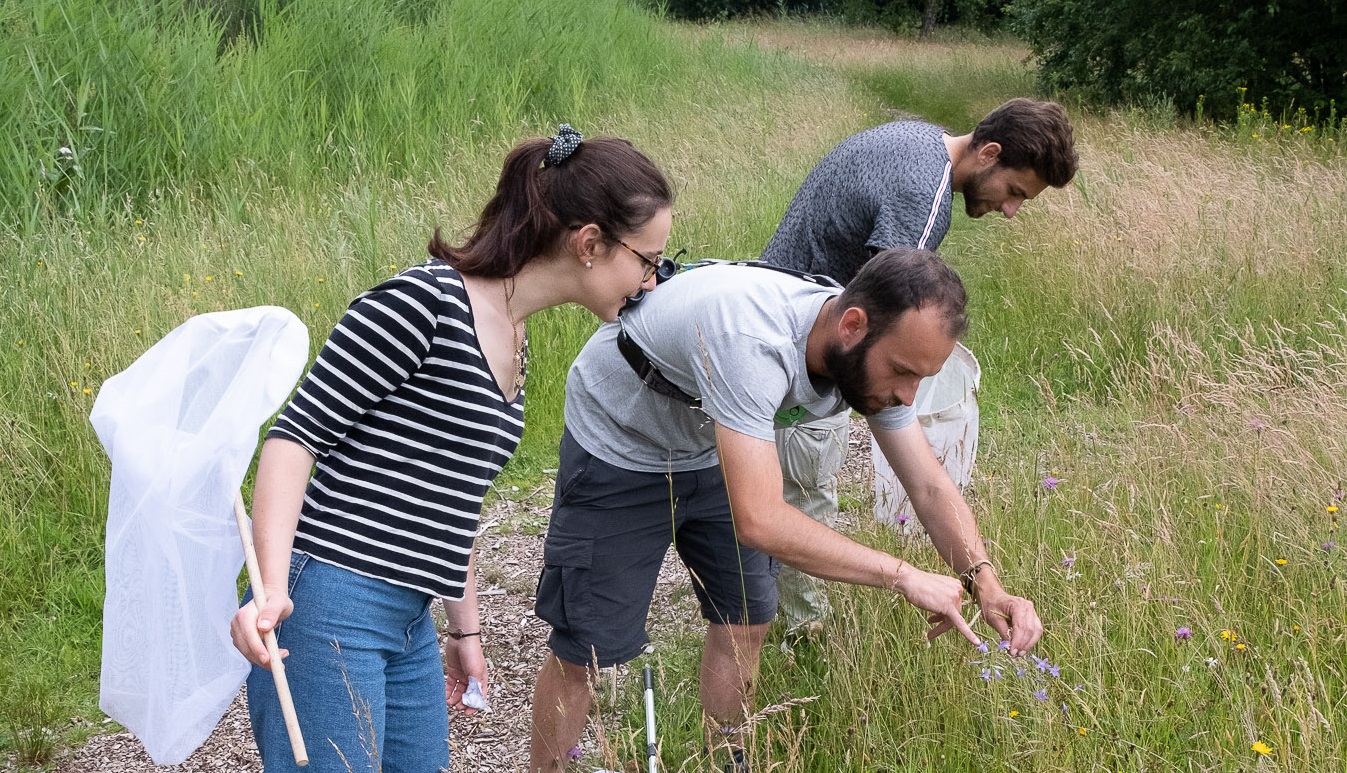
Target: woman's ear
(585,242)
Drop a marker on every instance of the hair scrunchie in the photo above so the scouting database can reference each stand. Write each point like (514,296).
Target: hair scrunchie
(563,145)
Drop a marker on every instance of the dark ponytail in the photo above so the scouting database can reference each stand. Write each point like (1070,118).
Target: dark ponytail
(605,181)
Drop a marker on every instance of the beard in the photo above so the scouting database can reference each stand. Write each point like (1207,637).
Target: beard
(975,202)
(847,369)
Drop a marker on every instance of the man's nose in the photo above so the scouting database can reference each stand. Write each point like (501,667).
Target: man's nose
(1010,207)
(906,393)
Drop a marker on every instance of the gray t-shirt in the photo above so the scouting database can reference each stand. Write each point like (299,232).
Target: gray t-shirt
(732,335)
(886,187)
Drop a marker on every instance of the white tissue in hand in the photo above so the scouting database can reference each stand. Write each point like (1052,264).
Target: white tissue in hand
(473,697)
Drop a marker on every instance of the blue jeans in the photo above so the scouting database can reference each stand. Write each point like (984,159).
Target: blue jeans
(365,673)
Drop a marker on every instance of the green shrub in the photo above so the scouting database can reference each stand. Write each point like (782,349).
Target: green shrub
(1289,52)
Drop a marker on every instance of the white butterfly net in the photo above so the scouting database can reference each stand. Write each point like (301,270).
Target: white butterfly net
(180,426)
(947,409)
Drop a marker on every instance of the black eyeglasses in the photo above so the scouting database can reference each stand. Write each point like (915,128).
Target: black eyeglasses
(651,264)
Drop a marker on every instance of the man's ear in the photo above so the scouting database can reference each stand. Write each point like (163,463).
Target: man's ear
(852,327)
(988,155)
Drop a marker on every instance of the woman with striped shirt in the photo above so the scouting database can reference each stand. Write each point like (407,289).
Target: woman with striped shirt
(411,409)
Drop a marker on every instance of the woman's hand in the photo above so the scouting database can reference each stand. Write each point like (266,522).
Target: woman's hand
(462,659)
(249,628)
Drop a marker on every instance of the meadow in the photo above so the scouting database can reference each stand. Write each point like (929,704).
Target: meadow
(1164,345)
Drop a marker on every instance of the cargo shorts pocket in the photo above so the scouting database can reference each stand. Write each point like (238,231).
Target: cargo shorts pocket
(563,598)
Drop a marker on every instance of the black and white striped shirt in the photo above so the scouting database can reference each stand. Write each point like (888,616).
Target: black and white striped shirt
(409,427)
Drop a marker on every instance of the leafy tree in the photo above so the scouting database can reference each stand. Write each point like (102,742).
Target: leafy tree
(1291,53)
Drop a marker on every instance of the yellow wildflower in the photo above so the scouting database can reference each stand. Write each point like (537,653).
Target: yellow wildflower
(74,383)
(209,278)
(1281,562)
(1295,629)
(238,273)
(20,342)
(1014,714)
(1261,747)
(1332,508)
(321,280)
(1081,730)
(1240,646)
(139,221)
(137,331)
(1229,635)
(88,391)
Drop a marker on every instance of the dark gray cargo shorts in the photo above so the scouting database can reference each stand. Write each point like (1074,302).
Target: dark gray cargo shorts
(609,533)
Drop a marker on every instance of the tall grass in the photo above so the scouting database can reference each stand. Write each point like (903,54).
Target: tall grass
(106,100)
(1165,336)
(296,165)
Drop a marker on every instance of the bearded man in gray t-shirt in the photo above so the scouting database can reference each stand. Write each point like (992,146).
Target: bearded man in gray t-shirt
(671,415)
(886,187)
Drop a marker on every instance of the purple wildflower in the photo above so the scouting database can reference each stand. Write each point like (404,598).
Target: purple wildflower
(1056,671)
(1003,646)
(1078,688)
(574,754)
(1338,496)
(1257,424)
(1050,483)
(986,674)
(1041,664)
(1042,694)
(1329,546)
(1019,672)
(902,518)
(1069,561)
(983,647)
(1064,709)
(1184,633)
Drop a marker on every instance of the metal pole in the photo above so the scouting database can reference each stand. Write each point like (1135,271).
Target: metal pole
(650,746)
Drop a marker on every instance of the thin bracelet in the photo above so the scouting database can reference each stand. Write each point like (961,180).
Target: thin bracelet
(456,635)
(967,576)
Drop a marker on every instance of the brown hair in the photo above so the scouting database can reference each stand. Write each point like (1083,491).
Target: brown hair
(903,278)
(1032,135)
(605,181)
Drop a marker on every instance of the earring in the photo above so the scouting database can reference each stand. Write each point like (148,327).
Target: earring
(589,264)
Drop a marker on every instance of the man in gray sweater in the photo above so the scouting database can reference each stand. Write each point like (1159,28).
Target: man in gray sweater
(886,187)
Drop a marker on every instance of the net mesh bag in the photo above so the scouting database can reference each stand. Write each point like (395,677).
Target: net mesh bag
(180,427)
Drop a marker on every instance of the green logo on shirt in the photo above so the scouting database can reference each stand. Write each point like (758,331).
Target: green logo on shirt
(789,417)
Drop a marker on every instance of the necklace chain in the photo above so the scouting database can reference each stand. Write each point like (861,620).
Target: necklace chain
(518,350)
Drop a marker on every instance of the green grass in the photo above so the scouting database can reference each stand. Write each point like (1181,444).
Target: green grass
(1165,335)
